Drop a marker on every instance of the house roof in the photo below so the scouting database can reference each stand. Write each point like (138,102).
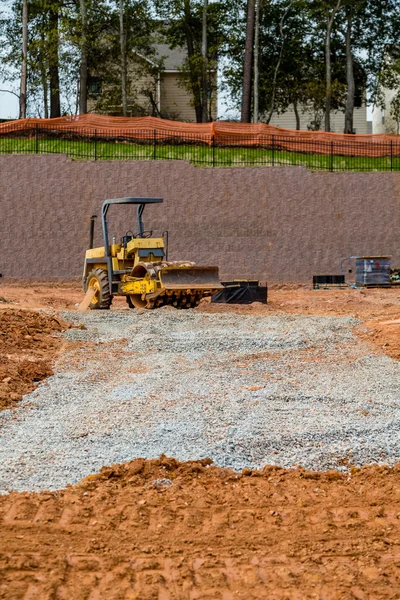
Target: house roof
(173,57)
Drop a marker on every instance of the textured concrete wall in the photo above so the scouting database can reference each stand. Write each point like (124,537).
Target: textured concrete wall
(281,224)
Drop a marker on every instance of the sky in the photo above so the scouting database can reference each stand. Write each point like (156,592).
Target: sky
(8,102)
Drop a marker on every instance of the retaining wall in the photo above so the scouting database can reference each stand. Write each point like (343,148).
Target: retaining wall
(281,224)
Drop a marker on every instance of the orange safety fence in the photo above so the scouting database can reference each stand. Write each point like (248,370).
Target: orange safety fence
(223,134)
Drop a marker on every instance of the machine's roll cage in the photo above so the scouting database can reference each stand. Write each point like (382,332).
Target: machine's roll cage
(141,203)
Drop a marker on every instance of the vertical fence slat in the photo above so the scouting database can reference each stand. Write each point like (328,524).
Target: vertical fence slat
(273,150)
(391,155)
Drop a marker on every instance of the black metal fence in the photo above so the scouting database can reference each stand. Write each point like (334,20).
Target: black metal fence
(219,151)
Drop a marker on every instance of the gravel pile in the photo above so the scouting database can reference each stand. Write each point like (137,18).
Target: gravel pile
(244,390)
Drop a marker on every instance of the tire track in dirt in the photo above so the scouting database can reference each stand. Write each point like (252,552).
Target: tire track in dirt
(167,530)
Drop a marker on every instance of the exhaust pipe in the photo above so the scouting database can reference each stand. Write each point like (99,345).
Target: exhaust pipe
(91,238)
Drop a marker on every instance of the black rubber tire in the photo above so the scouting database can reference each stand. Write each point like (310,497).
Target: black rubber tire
(103,302)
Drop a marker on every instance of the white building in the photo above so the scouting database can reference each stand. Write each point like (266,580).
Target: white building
(382,117)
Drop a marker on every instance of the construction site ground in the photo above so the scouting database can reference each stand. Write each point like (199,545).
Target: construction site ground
(158,528)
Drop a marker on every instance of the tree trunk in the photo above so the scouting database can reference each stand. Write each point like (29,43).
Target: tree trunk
(122,41)
(296,114)
(248,63)
(194,82)
(351,87)
(278,64)
(256,59)
(210,101)
(328,93)
(204,99)
(24,63)
(83,74)
(54,42)
(77,96)
(43,76)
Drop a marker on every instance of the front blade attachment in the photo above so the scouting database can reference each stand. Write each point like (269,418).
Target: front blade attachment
(190,278)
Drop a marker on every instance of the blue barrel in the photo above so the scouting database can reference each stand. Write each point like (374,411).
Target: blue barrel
(373,271)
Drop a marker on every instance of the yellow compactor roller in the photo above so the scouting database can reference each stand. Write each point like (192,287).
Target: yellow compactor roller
(137,267)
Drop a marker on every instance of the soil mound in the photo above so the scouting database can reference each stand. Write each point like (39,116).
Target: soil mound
(170,530)
(386,336)
(27,348)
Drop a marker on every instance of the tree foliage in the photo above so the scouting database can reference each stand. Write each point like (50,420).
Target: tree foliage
(182,27)
(311,54)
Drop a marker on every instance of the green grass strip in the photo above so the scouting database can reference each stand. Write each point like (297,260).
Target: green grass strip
(200,155)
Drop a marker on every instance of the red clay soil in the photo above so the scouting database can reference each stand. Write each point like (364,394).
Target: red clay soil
(27,349)
(166,530)
(32,295)
(162,530)
(385,335)
(375,307)
(365,304)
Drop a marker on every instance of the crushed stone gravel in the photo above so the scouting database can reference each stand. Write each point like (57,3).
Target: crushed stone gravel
(245,391)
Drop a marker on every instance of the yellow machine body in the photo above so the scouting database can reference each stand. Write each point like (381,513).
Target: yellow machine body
(137,269)
(123,258)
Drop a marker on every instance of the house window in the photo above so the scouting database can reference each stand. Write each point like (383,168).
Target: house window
(94,86)
(358,100)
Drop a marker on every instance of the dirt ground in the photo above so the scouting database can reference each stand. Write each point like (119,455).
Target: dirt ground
(378,309)
(27,350)
(368,304)
(164,531)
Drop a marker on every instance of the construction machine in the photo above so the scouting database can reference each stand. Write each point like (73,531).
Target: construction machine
(137,267)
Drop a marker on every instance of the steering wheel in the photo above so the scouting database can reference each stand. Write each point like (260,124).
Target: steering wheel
(124,239)
(145,234)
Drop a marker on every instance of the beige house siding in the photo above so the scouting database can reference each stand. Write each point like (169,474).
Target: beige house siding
(287,120)
(175,99)
(138,85)
(168,96)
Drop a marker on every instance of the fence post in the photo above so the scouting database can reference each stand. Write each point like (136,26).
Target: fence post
(36,139)
(391,155)
(154,144)
(273,150)
(213,149)
(331,165)
(95,144)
